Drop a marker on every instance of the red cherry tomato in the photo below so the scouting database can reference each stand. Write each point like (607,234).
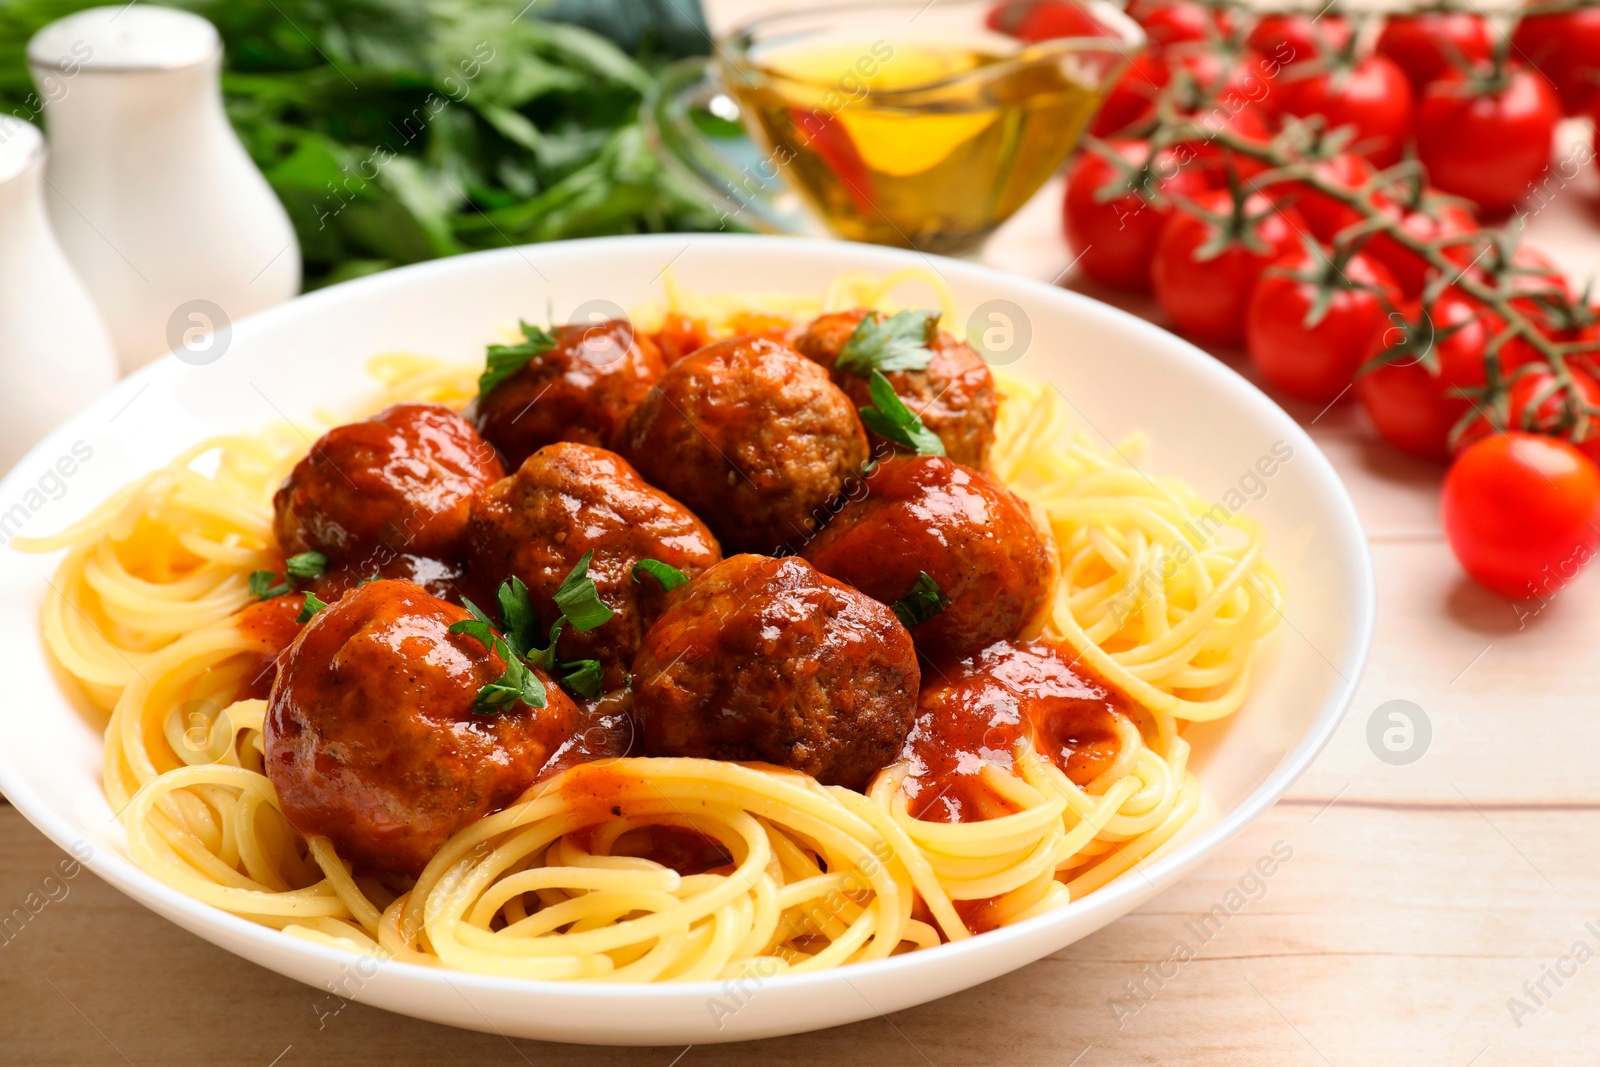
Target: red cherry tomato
(1231,80)
(1133,98)
(1522,513)
(1207,297)
(1327,215)
(1428,44)
(1041,20)
(1409,268)
(1372,95)
(1250,123)
(1291,36)
(1488,142)
(1115,239)
(1315,361)
(1168,22)
(1535,404)
(1565,48)
(1420,360)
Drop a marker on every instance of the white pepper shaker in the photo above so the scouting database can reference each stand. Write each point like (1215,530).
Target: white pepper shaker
(158,206)
(55,354)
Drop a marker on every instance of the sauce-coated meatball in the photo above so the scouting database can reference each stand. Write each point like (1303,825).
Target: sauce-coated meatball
(400,482)
(371,739)
(753,437)
(974,537)
(765,659)
(584,389)
(568,499)
(977,710)
(954,394)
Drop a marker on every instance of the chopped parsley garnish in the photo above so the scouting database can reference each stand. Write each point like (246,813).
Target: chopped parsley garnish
(505,360)
(578,599)
(312,605)
(899,342)
(298,568)
(582,677)
(518,642)
(922,602)
(891,420)
(667,575)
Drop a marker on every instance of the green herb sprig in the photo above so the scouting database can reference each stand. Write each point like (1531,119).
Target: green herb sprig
(518,642)
(890,419)
(922,602)
(899,342)
(503,361)
(668,576)
(264,585)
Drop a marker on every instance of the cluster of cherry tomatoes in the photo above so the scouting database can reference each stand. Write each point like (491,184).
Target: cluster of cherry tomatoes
(1311,188)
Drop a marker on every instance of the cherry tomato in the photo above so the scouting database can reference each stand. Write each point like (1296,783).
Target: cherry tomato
(1429,44)
(1315,361)
(1522,513)
(1251,123)
(1115,239)
(1327,215)
(1168,22)
(1371,94)
(1536,404)
(1229,79)
(1424,223)
(1133,98)
(1420,359)
(1210,256)
(1041,20)
(1565,47)
(1488,139)
(1293,35)
(1519,274)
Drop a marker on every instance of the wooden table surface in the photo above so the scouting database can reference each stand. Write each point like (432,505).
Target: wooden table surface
(1439,912)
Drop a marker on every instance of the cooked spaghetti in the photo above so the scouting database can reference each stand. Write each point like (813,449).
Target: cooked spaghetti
(1159,598)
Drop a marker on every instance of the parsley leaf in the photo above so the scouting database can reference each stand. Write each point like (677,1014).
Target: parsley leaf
(899,342)
(306,565)
(516,683)
(582,677)
(312,605)
(891,420)
(669,576)
(516,610)
(579,600)
(503,361)
(922,601)
(262,587)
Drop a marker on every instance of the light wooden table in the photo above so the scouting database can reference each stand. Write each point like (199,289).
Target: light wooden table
(1416,903)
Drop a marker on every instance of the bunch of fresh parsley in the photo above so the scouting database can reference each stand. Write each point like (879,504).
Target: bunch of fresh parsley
(396,131)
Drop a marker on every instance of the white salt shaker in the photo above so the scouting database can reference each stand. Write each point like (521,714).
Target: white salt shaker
(55,354)
(164,215)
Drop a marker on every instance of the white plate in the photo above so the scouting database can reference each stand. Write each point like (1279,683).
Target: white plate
(1205,423)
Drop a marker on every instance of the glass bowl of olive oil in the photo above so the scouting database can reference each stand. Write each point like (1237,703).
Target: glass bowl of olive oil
(896,122)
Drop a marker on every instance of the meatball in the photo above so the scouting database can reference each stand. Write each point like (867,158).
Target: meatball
(436,577)
(400,482)
(978,709)
(569,499)
(371,739)
(766,659)
(974,537)
(753,437)
(954,394)
(584,389)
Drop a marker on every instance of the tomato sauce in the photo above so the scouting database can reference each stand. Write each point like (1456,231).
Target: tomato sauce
(973,715)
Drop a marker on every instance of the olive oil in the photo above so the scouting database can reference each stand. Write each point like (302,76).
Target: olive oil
(921,144)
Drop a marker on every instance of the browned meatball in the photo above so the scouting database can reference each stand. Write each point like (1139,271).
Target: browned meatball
(584,389)
(437,577)
(954,395)
(968,532)
(765,659)
(371,739)
(753,437)
(569,499)
(400,482)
